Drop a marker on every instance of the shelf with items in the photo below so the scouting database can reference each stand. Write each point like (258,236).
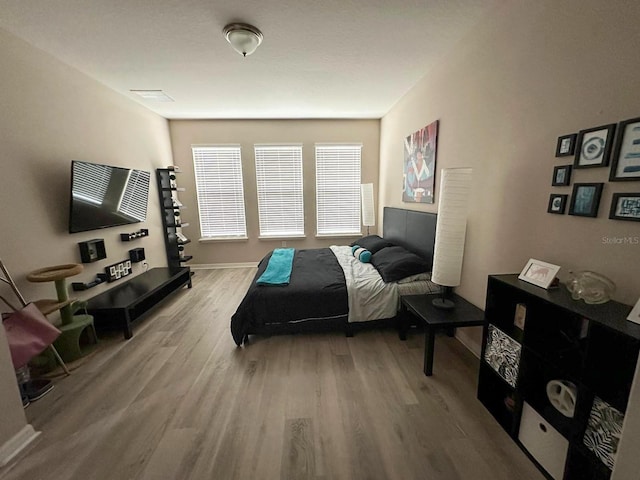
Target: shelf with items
(575,372)
(172,208)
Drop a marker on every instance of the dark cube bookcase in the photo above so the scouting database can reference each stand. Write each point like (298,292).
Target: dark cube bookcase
(592,346)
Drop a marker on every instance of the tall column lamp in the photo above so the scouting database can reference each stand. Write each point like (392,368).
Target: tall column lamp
(368,213)
(451,228)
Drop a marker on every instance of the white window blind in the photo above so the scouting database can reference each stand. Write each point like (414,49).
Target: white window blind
(338,189)
(279,182)
(134,198)
(218,172)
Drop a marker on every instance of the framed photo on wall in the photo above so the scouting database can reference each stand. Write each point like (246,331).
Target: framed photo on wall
(566,145)
(626,155)
(625,206)
(593,147)
(585,199)
(557,203)
(420,165)
(561,176)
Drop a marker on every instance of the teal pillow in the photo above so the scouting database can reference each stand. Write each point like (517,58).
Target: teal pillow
(361,253)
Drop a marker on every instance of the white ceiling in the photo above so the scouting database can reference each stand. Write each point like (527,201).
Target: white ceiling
(319,58)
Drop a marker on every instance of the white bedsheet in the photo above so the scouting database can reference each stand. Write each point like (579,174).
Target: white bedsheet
(370,298)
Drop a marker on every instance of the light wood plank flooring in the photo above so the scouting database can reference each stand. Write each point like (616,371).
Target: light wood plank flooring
(180,401)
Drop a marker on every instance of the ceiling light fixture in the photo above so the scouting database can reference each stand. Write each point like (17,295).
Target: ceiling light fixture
(243,38)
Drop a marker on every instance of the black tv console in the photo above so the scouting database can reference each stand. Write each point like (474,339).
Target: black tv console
(129,301)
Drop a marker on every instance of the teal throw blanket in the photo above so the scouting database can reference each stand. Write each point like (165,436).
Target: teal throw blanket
(278,271)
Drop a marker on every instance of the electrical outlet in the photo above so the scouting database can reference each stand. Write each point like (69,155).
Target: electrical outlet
(284,243)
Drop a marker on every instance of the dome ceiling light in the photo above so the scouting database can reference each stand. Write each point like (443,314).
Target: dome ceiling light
(243,38)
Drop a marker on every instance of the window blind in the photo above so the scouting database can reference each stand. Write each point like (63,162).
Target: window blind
(338,189)
(279,182)
(219,187)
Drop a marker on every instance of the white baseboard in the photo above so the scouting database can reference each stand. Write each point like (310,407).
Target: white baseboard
(15,445)
(216,266)
(469,343)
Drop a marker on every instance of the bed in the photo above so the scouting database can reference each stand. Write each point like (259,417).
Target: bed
(330,289)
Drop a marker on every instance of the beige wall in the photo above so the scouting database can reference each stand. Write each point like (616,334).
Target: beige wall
(185,133)
(528,74)
(49,115)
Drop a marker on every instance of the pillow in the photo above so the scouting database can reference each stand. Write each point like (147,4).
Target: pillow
(373,243)
(418,277)
(361,254)
(396,263)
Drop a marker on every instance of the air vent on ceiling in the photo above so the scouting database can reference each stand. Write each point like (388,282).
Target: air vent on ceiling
(153,95)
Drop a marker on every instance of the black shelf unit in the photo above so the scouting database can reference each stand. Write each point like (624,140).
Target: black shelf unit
(593,347)
(171,218)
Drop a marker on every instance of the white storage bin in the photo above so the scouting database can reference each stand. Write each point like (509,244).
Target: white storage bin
(543,442)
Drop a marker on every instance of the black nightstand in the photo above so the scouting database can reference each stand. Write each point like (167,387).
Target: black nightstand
(464,314)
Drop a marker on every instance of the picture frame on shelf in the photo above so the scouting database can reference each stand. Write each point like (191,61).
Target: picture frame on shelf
(561,176)
(585,199)
(625,206)
(593,146)
(566,145)
(625,164)
(634,315)
(557,204)
(539,273)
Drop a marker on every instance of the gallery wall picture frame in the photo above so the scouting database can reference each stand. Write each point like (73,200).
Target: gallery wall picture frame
(557,203)
(625,164)
(625,206)
(539,273)
(561,176)
(566,145)
(593,146)
(585,199)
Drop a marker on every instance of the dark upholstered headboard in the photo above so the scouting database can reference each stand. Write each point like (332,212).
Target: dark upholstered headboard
(415,231)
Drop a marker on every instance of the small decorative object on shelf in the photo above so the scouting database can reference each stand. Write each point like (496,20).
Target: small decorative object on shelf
(127,237)
(136,255)
(118,270)
(79,286)
(591,287)
(92,250)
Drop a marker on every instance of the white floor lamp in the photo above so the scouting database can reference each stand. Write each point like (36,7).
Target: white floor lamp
(368,213)
(451,228)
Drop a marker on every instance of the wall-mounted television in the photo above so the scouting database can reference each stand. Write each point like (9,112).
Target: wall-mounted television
(104,196)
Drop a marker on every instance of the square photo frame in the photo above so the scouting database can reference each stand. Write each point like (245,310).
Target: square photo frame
(625,206)
(566,145)
(585,199)
(561,176)
(625,164)
(539,273)
(557,204)
(593,147)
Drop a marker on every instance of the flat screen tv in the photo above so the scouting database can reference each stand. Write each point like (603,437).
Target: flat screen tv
(104,196)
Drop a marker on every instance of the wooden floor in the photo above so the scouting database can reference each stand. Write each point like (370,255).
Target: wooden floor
(180,401)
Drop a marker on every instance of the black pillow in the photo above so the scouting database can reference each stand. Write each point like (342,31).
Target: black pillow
(373,243)
(396,263)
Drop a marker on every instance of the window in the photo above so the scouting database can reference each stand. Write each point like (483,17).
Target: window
(279,182)
(218,172)
(338,189)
